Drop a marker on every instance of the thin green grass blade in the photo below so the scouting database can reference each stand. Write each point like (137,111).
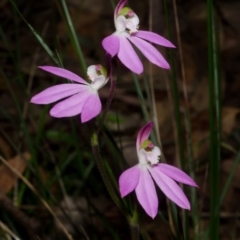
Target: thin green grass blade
(38,37)
(147,89)
(113,4)
(215,121)
(229,180)
(141,98)
(187,121)
(143,104)
(176,98)
(193,194)
(23,129)
(224,192)
(73,35)
(180,137)
(111,175)
(22,188)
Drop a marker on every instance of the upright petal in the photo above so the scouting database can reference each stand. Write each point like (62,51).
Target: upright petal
(119,7)
(70,106)
(128,180)
(146,193)
(175,173)
(170,188)
(120,24)
(61,72)
(128,56)
(91,108)
(150,52)
(154,38)
(143,134)
(111,44)
(55,93)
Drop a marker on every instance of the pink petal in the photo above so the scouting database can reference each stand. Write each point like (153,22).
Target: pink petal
(61,72)
(154,38)
(119,7)
(91,108)
(170,188)
(111,44)
(70,106)
(128,56)
(150,52)
(175,173)
(143,134)
(55,93)
(146,193)
(128,180)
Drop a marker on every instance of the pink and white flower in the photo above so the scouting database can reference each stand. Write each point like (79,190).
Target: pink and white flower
(80,97)
(127,24)
(140,177)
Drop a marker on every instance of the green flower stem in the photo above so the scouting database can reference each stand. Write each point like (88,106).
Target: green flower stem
(134,226)
(95,145)
(133,221)
(102,169)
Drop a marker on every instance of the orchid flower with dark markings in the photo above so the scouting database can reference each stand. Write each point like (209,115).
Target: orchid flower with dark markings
(140,177)
(127,24)
(80,97)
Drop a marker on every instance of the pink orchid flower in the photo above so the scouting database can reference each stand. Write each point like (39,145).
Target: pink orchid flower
(140,177)
(81,97)
(127,24)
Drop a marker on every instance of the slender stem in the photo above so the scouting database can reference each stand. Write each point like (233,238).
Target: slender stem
(100,162)
(94,141)
(102,169)
(134,226)
(134,232)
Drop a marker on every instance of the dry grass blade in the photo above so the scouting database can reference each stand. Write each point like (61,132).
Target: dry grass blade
(33,189)
(8,231)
